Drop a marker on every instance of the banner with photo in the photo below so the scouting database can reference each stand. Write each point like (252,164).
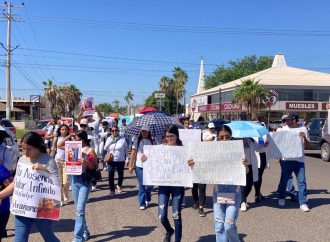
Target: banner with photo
(88,106)
(68,122)
(37,194)
(73,154)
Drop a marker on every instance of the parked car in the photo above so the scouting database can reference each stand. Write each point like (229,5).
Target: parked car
(9,127)
(14,147)
(40,127)
(319,137)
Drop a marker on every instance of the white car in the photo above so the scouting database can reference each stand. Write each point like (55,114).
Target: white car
(9,127)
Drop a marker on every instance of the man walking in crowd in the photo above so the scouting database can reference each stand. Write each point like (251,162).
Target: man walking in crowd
(296,165)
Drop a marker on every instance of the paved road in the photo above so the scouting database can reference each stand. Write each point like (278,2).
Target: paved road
(119,219)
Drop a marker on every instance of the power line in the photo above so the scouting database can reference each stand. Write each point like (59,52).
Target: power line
(37,42)
(178,28)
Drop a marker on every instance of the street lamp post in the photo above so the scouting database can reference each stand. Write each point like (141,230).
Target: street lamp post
(220,102)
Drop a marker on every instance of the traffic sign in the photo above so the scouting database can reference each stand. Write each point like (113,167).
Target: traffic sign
(159,95)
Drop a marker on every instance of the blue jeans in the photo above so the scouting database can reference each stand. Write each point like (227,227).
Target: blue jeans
(164,193)
(23,226)
(80,192)
(225,215)
(144,191)
(291,191)
(120,166)
(289,166)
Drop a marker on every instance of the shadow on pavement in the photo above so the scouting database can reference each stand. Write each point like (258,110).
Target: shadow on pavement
(128,231)
(63,225)
(206,238)
(314,155)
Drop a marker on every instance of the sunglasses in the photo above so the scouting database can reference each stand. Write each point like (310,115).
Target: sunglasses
(114,130)
(83,125)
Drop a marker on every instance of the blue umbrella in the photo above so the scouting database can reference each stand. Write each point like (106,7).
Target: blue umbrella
(247,129)
(157,122)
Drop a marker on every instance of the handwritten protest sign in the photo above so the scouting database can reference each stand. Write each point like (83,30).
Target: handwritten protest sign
(284,144)
(190,135)
(37,194)
(166,166)
(73,152)
(88,106)
(218,162)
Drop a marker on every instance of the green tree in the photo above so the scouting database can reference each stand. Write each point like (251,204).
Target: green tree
(250,94)
(105,107)
(128,98)
(180,79)
(151,101)
(116,106)
(237,69)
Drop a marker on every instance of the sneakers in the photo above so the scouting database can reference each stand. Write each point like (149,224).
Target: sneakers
(142,207)
(119,190)
(86,236)
(147,203)
(61,204)
(281,202)
(168,236)
(243,207)
(201,212)
(93,188)
(304,208)
(112,193)
(259,198)
(195,205)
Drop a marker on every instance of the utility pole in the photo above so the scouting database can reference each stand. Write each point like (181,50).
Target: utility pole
(8,63)
(220,103)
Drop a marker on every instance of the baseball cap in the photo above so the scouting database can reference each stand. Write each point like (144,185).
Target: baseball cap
(285,117)
(211,125)
(84,121)
(145,127)
(293,116)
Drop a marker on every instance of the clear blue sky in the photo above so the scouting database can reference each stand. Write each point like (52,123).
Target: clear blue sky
(108,47)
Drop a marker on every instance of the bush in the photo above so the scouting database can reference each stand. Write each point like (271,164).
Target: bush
(20,133)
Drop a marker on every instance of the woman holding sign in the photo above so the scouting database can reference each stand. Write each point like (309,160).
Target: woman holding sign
(136,161)
(35,154)
(226,201)
(81,186)
(164,193)
(62,136)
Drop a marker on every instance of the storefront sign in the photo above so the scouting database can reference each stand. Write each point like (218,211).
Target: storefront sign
(301,106)
(271,99)
(225,106)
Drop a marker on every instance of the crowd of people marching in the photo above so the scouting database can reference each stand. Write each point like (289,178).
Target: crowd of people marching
(106,146)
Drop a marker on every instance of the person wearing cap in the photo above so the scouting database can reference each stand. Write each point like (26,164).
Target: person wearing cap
(210,134)
(295,165)
(81,185)
(136,162)
(117,146)
(290,189)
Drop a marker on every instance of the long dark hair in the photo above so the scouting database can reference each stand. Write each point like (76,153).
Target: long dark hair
(173,129)
(225,128)
(140,138)
(58,131)
(35,140)
(83,136)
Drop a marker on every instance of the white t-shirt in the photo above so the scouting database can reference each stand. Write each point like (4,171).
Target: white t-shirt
(139,149)
(208,134)
(118,149)
(60,153)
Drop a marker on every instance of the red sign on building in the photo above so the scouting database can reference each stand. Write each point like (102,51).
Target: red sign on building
(225,106)
(302,106)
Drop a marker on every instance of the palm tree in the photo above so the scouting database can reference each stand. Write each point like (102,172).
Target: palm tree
(250,94)
(72,96)
(129,97)
(51,91)
(166,86)
(180,78)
